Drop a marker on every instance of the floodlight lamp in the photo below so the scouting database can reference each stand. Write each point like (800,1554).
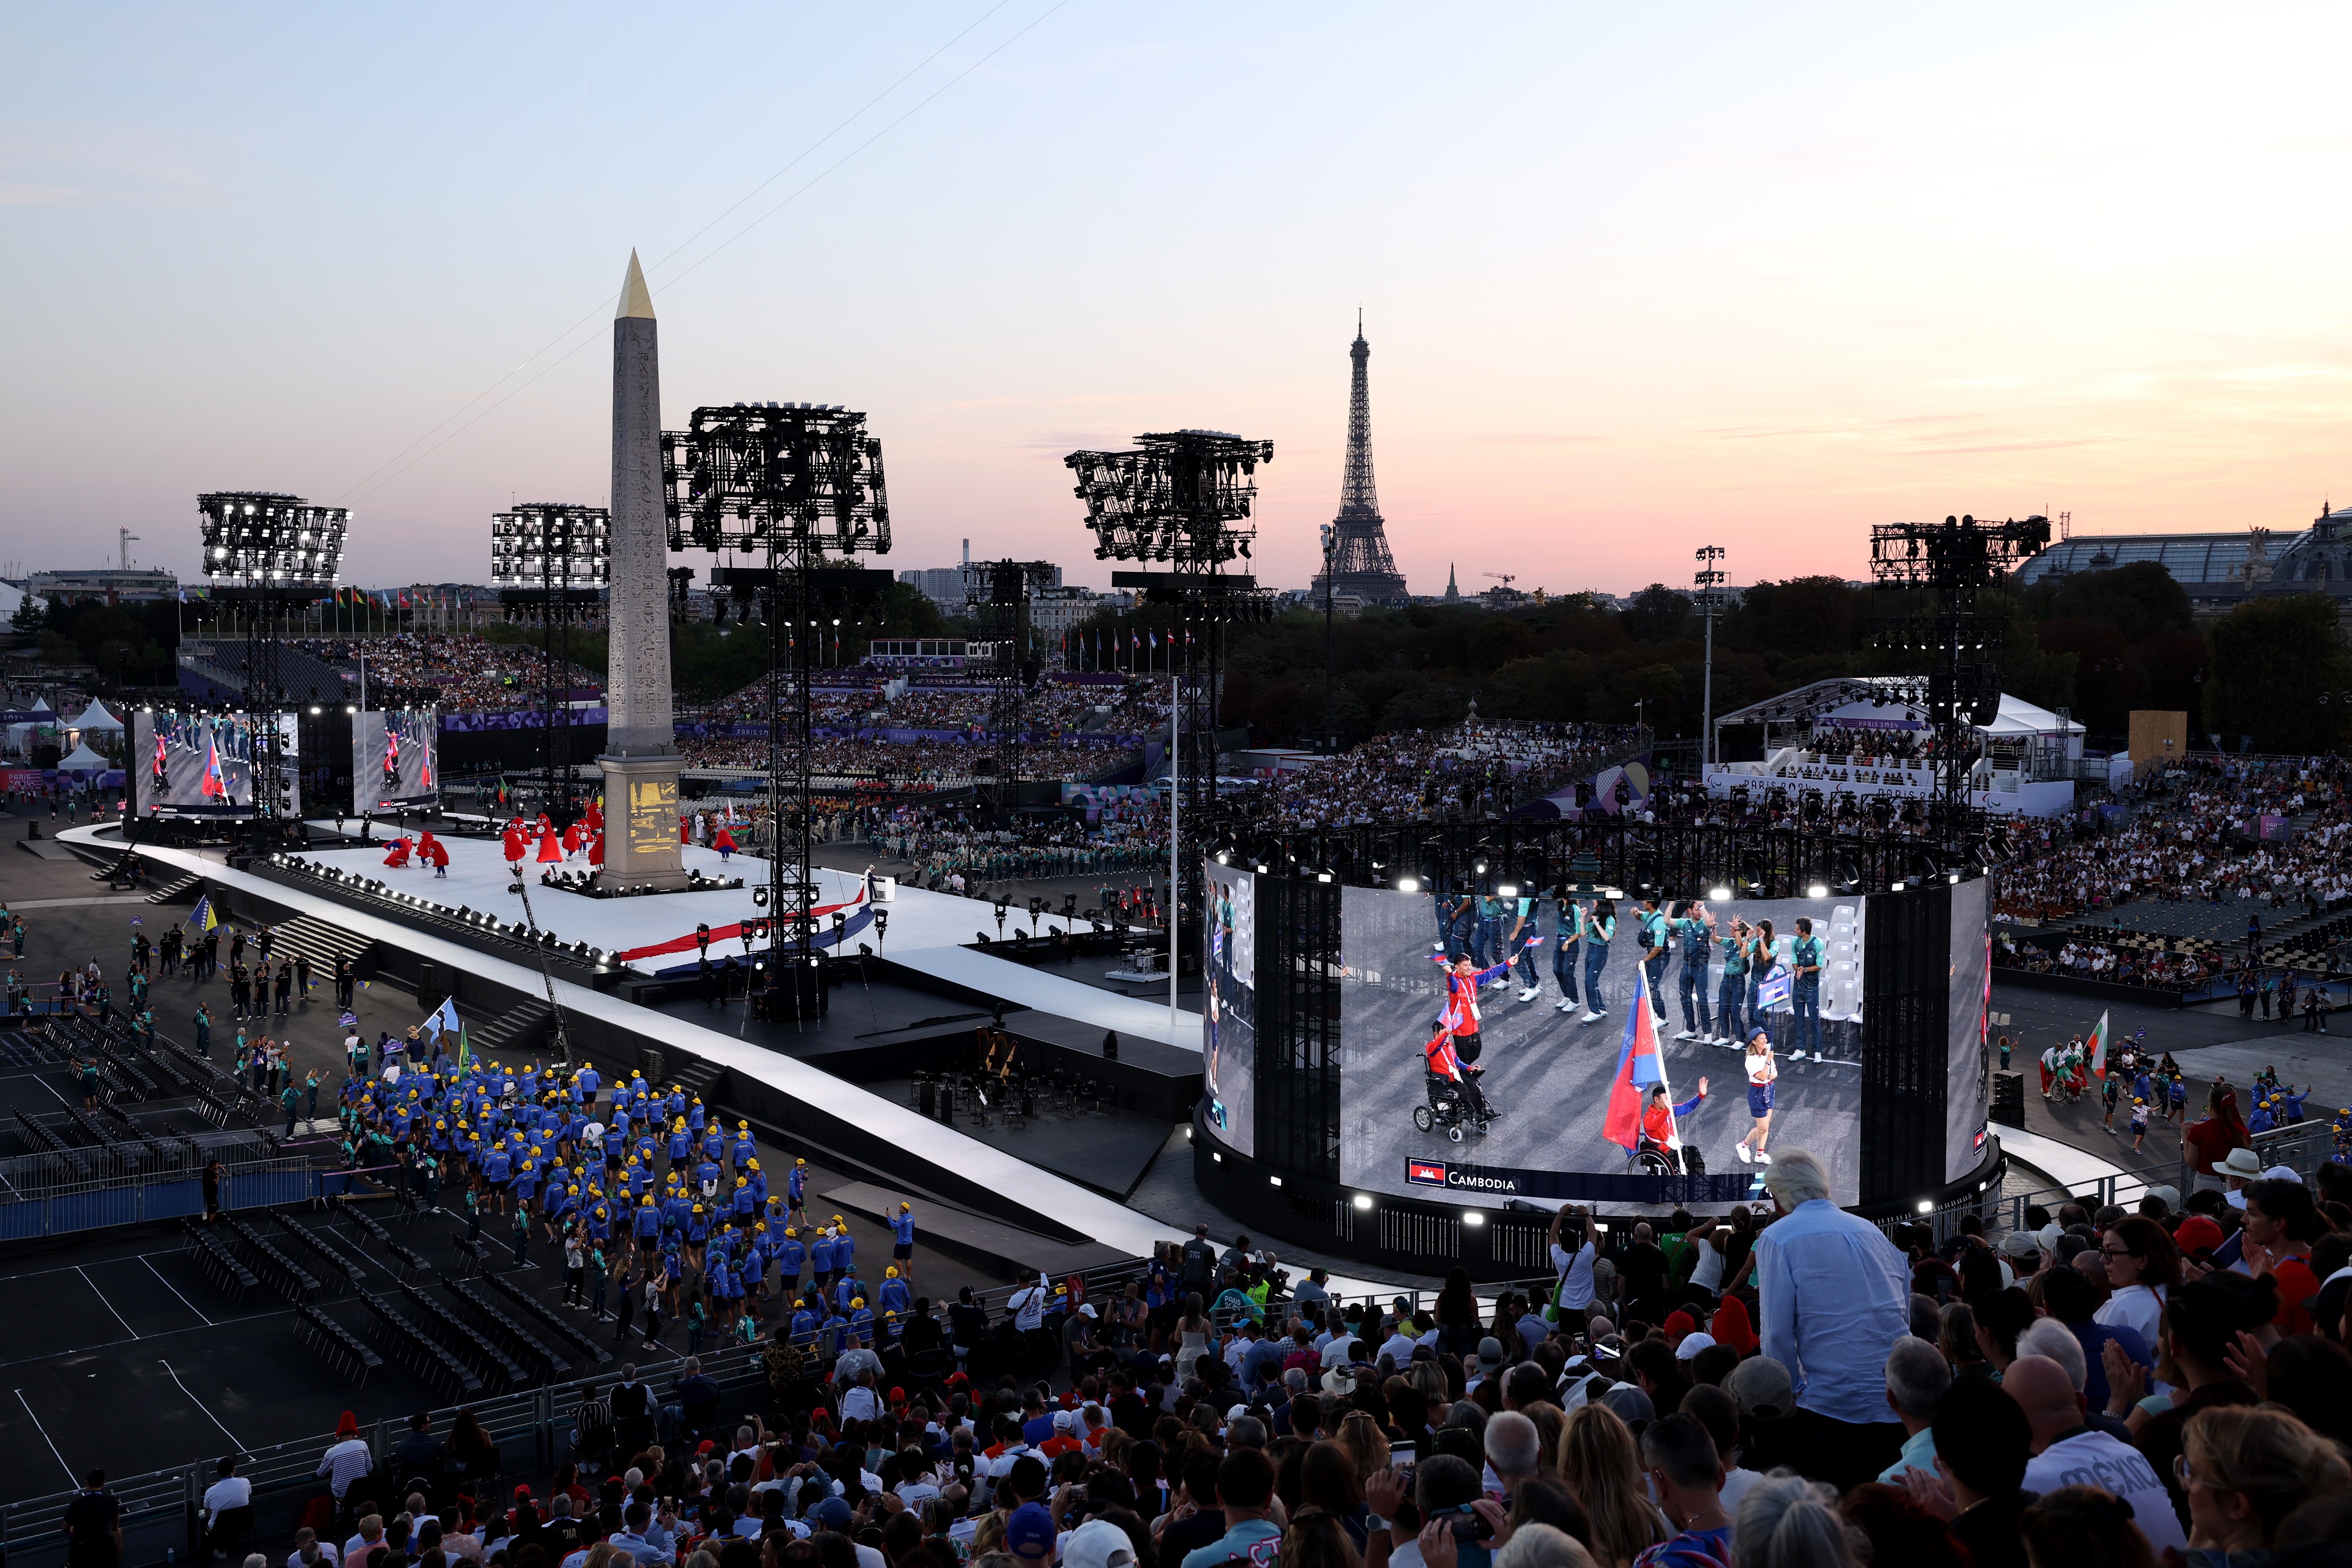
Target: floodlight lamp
(1408,884)
(1817,890)
(1364,1201)
(1722,894)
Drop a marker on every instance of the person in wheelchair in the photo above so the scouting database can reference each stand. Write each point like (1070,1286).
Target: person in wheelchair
(1659,1149)
(1452,1087)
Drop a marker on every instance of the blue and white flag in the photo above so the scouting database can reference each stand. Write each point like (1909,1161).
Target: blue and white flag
(1772,990)
(445,1018)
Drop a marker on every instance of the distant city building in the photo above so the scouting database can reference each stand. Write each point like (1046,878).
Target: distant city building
(2219,571)
(1056,610)
(110,584)
(942,585)
(1359,563)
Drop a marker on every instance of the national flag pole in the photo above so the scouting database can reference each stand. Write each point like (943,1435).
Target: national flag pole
(2099,1049)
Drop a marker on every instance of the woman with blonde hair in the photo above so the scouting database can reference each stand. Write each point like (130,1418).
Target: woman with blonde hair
(1600,1465)
(1366,1444)
(2246,1468)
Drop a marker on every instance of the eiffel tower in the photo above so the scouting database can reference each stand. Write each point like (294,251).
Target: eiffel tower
(1360,562)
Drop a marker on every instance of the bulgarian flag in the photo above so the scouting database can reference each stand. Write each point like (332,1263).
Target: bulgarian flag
(2099,1049)
(1639,1065)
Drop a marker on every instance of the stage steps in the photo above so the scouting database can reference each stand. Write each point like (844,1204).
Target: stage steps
(177,889)
(514,1035)
(327,945)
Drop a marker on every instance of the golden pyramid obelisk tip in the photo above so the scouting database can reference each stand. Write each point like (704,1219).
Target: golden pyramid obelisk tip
(635,298)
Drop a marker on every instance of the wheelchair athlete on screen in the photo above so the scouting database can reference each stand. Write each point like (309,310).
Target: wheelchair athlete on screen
(1661,1135)
(1451,1073)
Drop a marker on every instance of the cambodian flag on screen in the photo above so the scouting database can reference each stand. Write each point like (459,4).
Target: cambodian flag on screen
(1638,1066)
(215,787)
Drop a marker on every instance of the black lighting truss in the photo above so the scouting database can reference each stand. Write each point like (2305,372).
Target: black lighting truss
(551,563)
(1184,498)
(789,486)
(1948,648)
(270,552)
(1542,859)
(998,593)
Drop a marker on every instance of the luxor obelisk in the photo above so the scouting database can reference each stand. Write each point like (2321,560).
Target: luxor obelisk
(641,761)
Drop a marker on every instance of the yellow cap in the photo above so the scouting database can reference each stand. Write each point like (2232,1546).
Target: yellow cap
(791,1232)
(903,1207)
(890,1273)
(856,1302)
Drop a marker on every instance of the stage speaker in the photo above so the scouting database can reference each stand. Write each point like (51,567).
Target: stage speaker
(2008,1100)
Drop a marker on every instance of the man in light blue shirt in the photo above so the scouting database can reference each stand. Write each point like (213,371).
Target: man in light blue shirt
(1916,1376)
(1834,1297)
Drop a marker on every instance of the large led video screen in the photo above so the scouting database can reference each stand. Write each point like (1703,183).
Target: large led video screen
(1968,1086)
(393,760)
(1430,1042)
(1229,1006)
(187,764)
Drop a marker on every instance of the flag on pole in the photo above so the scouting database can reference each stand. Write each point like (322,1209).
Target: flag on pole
(1640,1064)
(2099,1050)
(444,1016)
(202,917)
(465,1047)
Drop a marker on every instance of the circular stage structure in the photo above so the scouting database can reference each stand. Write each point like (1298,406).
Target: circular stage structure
(1338,1015)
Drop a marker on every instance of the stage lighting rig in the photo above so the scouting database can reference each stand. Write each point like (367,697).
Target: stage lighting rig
(1184,498)
(269,552)
(1950,649)
(998,595)
(789,486)
(551,563)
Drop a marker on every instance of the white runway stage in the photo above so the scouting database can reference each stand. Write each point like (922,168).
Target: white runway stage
(1090,1214)
(925,930)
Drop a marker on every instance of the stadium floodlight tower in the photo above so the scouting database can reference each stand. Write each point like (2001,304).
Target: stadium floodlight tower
(551,563)
(1184,498)
(998,593)
(787,485)
(1948,648)
(269,552)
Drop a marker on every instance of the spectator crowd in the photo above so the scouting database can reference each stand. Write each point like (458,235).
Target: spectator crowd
(1786,1387)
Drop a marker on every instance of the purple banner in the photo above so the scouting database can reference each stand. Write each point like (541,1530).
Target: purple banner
(475,722)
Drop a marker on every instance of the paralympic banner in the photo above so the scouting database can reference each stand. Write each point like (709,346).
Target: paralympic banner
(481,723)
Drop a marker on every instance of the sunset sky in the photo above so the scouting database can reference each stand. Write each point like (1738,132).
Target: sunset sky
(1636,279)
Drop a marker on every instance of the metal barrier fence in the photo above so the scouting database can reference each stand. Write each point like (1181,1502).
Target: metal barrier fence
(2301,1146)
(93,1205)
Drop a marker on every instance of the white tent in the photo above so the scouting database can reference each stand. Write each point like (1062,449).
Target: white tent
(95,716)
(83,761)
(20,736)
